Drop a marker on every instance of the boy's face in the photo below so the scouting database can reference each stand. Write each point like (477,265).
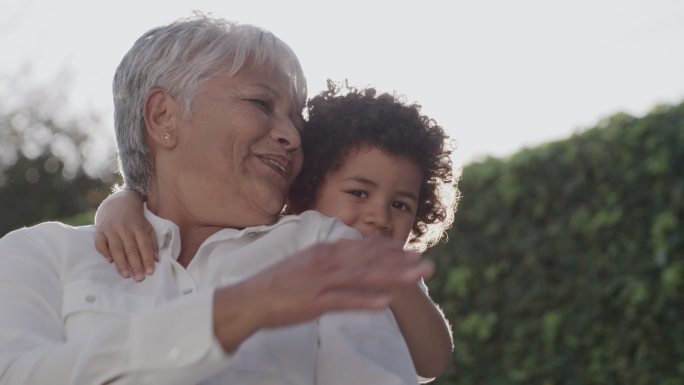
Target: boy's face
(374,192)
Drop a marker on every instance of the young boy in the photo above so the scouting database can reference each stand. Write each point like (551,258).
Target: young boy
(372,161)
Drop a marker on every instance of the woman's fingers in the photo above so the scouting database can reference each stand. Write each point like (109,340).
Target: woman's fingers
(341,300)
(372,278)
(368,265)
(350,275)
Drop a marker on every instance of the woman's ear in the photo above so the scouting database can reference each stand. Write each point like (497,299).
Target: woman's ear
(162,114)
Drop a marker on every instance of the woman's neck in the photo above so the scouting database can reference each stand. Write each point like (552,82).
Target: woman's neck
(191,240)
(195,230)
(192,231)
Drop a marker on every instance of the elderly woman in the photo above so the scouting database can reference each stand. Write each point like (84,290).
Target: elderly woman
(207,116)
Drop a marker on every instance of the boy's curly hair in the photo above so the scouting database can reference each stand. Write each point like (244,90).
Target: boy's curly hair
(343,119)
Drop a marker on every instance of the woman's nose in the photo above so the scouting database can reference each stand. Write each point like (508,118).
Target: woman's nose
(285,133)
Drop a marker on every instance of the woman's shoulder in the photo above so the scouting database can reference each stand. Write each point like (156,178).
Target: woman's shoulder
(48,240)
(326,229)
(309,218)
(52,231)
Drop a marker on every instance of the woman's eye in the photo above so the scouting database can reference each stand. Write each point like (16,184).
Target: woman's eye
(263,105)
(358,193)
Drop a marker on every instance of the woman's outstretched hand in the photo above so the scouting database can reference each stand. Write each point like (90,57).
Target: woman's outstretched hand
(345,275)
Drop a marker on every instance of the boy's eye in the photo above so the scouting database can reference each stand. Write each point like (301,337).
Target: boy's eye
(358,193)
(263,105)
(400,206)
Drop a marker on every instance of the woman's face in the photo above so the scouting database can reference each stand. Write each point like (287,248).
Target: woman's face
(238,153)
(374,192)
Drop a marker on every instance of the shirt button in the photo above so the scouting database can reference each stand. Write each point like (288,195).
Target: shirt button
(187,291)
(90,298)
(173,355)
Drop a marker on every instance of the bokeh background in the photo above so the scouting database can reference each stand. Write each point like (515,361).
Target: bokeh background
(566,261)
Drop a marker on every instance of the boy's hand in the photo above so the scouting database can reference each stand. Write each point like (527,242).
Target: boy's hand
(124,236)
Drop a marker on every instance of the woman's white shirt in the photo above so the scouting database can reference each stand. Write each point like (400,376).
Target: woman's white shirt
(67,317)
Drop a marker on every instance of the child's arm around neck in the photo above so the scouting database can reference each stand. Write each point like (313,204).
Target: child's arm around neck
(124,236)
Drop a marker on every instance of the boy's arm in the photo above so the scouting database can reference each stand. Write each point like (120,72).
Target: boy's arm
(426,331)
(124,236)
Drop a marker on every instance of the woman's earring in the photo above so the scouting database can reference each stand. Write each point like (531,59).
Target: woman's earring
(166,137)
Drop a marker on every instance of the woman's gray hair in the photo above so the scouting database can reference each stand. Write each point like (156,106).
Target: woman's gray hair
(178,58)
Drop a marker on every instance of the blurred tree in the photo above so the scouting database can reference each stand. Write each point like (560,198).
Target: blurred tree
(52,164)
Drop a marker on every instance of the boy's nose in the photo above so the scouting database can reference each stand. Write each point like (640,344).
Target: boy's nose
(379,217)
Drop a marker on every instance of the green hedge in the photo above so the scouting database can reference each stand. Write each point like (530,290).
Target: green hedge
(82,219)
(566,262)
(47,195)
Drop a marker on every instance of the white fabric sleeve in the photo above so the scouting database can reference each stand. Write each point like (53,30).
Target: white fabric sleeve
(362,348)
(335,230)
(173,344)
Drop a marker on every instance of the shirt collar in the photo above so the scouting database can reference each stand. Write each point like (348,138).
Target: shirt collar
(168,233)
(247,231)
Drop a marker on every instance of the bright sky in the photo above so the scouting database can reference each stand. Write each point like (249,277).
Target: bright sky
(498,75)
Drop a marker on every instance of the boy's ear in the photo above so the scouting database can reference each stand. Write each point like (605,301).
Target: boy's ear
(162,114)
